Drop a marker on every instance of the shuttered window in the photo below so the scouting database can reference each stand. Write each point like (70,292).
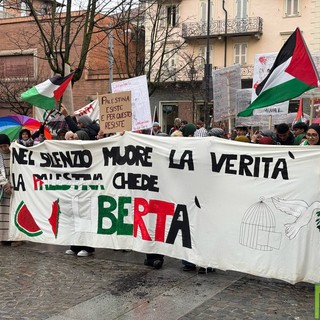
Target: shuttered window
(17,66)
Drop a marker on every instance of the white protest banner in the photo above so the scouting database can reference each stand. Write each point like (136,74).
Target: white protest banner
(115,112)
(92,110)
(262,65)
(243,100)
(141,112)
(172,196)
(226,82)
(54,117)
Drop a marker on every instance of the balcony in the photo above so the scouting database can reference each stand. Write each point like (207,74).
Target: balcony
(235,28)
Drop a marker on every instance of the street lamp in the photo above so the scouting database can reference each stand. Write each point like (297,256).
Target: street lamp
(225,32)
(193,76)
(111,59)
(207,80)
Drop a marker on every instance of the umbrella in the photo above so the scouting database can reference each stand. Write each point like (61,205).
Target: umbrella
(12,125)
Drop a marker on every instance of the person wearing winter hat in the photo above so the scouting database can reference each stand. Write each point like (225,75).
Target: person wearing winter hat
(84,123)
(269,133)
(4,140)
(265,140)
(188,130)
(5,191)
(156,128)
(313,135)
(216,132)
(81,135)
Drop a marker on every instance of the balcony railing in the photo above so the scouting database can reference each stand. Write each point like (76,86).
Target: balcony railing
(235,27)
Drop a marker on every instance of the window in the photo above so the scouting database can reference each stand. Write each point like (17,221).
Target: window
(240,53)
(172,15)
(242,9)
(204,10)
(170,62)
(291,8)
(16,66)
(203,54)
(23,9)
(2,9)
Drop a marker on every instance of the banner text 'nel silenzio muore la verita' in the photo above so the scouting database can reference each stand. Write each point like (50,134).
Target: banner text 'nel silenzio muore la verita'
(213,202)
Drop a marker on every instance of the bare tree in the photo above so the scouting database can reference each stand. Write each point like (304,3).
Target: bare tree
(10,93)
(157,42)
(65,33)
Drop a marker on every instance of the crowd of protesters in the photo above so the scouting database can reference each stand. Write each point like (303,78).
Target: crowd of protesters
(84,128)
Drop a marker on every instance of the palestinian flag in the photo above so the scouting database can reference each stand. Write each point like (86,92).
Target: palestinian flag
(46,94)
(292,73)
(299,116)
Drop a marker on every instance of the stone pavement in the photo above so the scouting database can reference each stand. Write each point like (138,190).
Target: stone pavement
(40,282)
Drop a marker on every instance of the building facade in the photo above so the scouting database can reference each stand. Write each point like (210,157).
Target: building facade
(23,59)
(222,33)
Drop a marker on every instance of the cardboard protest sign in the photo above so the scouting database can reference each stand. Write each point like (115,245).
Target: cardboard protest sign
(115,112)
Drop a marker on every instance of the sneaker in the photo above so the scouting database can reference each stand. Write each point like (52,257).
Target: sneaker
(189,268)
(148,263)
(157,264)
(84,253)
(70,252)
(205,270)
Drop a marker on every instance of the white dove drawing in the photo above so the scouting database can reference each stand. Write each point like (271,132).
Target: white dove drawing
(299,209)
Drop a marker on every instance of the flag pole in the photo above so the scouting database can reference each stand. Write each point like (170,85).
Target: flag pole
(311,110)
(229,125)
(270,122)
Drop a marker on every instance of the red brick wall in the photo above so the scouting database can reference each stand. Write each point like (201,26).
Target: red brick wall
(18,33)
(185,111)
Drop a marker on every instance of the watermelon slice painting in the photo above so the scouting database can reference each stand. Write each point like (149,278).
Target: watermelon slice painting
(25,222)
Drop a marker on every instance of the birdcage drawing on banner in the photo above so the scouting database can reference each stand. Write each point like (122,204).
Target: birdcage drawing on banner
(258,228)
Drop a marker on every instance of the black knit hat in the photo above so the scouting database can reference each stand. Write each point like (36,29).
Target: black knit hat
(316,128)
(4,139)
(188,130)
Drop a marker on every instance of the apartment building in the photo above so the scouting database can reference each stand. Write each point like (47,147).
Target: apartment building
(222,33)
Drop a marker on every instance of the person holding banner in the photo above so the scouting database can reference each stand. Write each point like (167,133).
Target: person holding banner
(80,251)
(84,123)
(5,191)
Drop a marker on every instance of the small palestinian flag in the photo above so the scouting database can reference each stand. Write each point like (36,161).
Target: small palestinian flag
(46,94)
(299,116)
(292,73)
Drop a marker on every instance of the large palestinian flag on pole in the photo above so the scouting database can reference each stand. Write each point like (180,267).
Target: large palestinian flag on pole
(46,94)
(292,73)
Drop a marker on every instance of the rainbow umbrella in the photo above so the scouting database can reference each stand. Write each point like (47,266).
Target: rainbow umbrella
(11,126)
